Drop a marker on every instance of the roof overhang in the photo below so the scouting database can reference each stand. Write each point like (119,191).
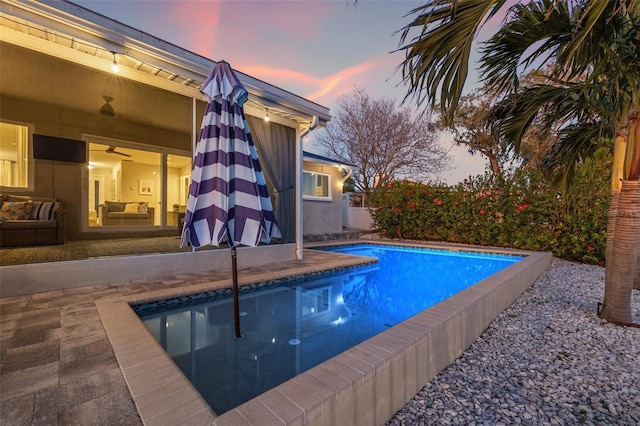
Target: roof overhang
(74,33)
(309,156)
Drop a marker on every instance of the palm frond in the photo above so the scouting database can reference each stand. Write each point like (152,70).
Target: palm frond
(512,116)
(590,26)
(575,143)
(436,62)
(535,32)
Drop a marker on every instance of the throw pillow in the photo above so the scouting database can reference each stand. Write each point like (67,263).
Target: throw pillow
(143,208)
(115,206)
(15,210)
(35,207)
(131,208)
(42,210)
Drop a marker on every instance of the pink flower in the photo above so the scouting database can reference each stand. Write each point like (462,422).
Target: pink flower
(589,248)
(412,204)
(455,203)
(482,212)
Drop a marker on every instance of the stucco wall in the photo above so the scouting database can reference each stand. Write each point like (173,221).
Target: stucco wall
(321,217)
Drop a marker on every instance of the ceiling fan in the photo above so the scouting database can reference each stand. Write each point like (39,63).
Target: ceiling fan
(112,150)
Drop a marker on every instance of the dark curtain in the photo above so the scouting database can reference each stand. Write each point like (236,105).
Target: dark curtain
(276,149)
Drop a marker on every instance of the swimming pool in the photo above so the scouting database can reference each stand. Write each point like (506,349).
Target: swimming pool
(293,326)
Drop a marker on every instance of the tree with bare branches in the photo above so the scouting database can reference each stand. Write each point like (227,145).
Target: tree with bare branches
(471,127)
(384,140)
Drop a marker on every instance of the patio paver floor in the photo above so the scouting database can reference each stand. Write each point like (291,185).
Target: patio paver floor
(57,365)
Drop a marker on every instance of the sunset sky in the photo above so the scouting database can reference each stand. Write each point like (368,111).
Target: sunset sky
(319,50)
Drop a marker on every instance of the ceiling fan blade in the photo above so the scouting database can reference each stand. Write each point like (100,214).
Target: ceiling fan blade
(112,150)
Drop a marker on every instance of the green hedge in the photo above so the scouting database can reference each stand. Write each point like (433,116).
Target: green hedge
(519,211)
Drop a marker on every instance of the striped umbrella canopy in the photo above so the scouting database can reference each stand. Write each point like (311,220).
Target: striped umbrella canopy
(228,196)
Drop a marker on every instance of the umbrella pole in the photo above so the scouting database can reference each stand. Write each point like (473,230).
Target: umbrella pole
(236,306)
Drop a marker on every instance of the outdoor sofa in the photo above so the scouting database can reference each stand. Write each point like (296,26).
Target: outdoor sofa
(29,221)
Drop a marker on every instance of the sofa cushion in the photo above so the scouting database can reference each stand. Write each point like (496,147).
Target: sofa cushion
(125,215)
(15,210)
(43,210)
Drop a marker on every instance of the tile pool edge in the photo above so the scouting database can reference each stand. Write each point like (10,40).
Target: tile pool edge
(354,387)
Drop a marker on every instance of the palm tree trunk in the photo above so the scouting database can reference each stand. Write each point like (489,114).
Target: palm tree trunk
(617,174)
(624,256)
(611,231)
(636,283)
(634,172)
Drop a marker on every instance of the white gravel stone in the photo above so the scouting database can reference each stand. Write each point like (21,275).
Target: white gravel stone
(546,360)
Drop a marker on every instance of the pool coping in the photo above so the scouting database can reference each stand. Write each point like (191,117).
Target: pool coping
(364,385)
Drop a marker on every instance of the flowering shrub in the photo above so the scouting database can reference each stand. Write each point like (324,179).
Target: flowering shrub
(519,211)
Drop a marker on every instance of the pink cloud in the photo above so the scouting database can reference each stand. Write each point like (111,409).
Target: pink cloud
(267,73)
(316,87)
(378,75)
(197,23)
(334,85)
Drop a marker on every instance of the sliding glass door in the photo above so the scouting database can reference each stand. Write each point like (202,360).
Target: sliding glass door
(133,185)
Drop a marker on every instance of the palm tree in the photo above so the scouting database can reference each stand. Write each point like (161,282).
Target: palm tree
(593,94)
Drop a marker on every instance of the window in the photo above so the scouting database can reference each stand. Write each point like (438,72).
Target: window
(316,186)
(15,158)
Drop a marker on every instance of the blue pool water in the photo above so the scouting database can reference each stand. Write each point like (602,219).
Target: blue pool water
(292,326)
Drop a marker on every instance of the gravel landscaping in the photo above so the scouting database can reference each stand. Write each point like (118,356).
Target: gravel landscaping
(546,360)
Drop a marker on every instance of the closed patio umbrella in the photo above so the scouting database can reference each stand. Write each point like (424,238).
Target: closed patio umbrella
(228,196)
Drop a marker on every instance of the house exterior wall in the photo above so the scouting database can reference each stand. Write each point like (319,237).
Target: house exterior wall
(322,217)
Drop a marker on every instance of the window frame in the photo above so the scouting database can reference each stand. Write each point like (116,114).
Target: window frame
(328,197)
